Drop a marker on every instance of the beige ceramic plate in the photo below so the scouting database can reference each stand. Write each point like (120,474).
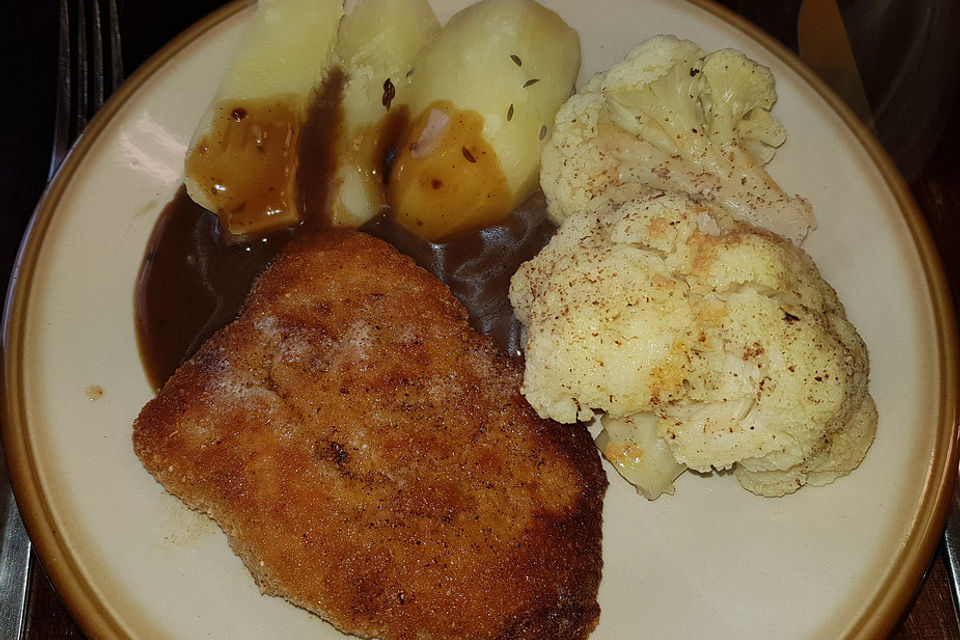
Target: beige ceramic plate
(713,560)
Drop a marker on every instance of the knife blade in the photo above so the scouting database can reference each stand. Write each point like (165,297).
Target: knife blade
(824,46)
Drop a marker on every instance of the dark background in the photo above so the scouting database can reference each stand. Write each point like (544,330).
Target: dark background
(28,64)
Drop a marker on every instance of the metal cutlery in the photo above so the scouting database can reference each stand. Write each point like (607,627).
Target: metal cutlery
(89,69)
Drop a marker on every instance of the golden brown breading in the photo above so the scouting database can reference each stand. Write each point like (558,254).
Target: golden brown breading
(371,459)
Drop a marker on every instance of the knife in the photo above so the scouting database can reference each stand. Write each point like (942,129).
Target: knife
(15,568)
(824,45)
(951,544)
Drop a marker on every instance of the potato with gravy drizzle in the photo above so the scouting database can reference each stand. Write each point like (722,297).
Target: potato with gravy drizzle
(482,101)
(376,46)
(242,161)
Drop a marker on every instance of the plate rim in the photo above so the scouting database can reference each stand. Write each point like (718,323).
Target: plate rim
(881,615)
(79,596)
(878,617)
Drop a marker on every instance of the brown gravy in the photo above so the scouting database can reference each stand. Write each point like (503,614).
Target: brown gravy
(194,278)
(244,164)
(192,282)
(456,184)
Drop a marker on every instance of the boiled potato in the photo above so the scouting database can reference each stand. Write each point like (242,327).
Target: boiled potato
(242,160)
(378,41)
(483,97)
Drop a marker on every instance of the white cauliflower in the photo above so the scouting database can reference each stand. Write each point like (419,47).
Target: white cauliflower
(698,336)
(671,118)
(638,452)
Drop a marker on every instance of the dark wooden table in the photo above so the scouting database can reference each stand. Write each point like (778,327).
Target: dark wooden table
(28,76)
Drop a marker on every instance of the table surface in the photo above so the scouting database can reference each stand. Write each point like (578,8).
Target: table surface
(29,63)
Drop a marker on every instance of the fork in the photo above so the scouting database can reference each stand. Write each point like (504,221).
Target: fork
(89,69)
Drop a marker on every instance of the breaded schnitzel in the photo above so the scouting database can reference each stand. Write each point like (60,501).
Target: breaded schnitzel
(371,459)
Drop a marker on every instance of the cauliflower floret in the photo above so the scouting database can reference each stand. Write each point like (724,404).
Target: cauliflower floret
(670,118)
(723,334)
(841,451)
(638,452)
(737,98)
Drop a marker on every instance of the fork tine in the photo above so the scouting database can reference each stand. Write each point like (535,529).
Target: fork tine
(82,70)
(96,71)
(61,129)
(116,50)
(105,77)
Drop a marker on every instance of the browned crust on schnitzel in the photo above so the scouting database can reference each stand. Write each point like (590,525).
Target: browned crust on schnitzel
(370,456)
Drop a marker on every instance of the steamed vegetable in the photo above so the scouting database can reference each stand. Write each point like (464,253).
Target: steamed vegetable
(482,101)
(672,118)
(704,343)
(633,445)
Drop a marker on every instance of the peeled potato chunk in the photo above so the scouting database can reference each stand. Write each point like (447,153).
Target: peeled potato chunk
(449,175)
(377,43)
(242,161)
(482,100)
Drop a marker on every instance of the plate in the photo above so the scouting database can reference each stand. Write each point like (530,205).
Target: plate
(131,561)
